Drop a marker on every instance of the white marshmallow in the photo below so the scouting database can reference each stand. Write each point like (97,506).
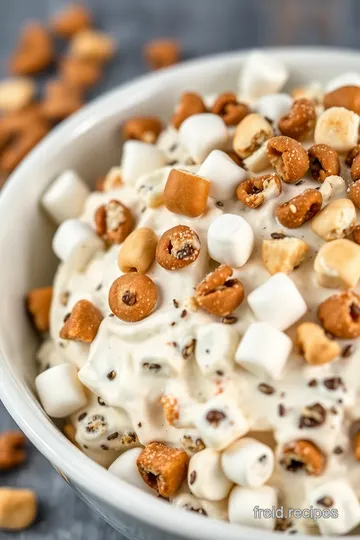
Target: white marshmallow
(224,174)
(206,479)
(230,240)
(202,133)
(349,78)
(274,106)
(261,74)
(215,348)
(339,500)
(332,187)
(125,467)
(337,127)
(186,501)
(177,394)
(248,462)
(150,187)
(140,158)
(113,179)
(76,243)
(277,302)
(220,422)
(256,350)
(244,503)
(60,391)
(66,196)
(258,160)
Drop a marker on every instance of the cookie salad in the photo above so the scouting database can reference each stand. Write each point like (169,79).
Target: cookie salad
(200,337)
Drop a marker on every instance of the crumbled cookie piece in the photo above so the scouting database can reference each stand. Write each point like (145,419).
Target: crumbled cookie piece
(283,254)
(303,455)
(314,344)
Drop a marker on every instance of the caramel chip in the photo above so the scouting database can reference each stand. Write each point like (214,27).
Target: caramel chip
(163,468)
(186,193)
(82,324)
(160,53)
(71,20)
(178,247)
(38,303)
(132,297)
(34,52)
(219,295)
(113,221)
(12,451)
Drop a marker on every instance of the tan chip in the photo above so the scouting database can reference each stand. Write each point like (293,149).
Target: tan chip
(186,193)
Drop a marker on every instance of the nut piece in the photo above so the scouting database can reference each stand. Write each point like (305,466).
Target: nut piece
(178,247)
(11,449)
(21,145)
(143,128)
(336,220)
(219,295)
(186,193)
(353,161)
(18,508)
(15,94)
(34,52)
(250,134)
(288,157)
(132,297)
(340,315)
(138,251)
(314,344)
(303,455)
(346,96)
(337,264)
(160,53)
(162,468)
(324,162)
(92,45)
(254,191)
(38,302)
(299,209)
(80,73)
(82,324)
(71,20)
(61,100)
(190,103)
(354,193)
(337,127)
(227,106)
(283,254)
(299,123)
(113,221)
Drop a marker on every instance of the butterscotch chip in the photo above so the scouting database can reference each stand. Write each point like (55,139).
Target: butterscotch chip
(303,455)
(132,297)
(354,193)
(346,96)
(190,103)
(143,128)
(186,193)
(227,106)
(178,247)
(288,157)
(71,20)
(218,294)
(299,209)
(254,191)
(299,123)
(82,324)
(340,315)
(80,73)
(315,345)
(160,53)
(12,451)
(38,302)
(324,162)
(18,508)
(34,52)
(113,222)
(92,45)
(61,100)
(162,468)
(138,251)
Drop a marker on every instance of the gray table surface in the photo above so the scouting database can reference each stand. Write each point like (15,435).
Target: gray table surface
(204,27)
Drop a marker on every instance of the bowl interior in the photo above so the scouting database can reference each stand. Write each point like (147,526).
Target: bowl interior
(90,142)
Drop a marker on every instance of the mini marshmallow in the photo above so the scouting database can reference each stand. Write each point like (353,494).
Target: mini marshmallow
(206,479)
(66,196)
(215,348)
(349,78)
(151,187)
(76,242)
(338,499)
(337,127)
(256,350)
(274,106)
(258,160)
(230,240)
(60,391)
(248,462)
(140,158)
(125,467)
(213,509)
(223,173)
(261,74)
(277,302)
(247,506)
(332,187)
(220,422)
(202,133)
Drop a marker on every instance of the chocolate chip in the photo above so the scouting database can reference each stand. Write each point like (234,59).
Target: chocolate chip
(111,315)
(219,372)
(229,319)
(129,298)
(113,436)
(139,425)
(312,383)
(183,313)
(333,383)
(98,288)
(215,417)
(185,252)
(81,416)
(101,402)
(263,458)
(199,511)
(176,303)
(111,376)
(354,311)
(299,183)
(281,409)
(67,316)
(278,235)
(152,367)
(347,351)
(266,389)
(173,147)
(189,349)
(220,204)
(312,416)
(338,450)
(104,447)
(325,501)
(330,335)
(192,478)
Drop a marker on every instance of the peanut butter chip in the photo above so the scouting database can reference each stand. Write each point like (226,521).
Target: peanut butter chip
(132,297)
(82,324)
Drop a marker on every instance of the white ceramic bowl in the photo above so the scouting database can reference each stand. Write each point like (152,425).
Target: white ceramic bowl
(89,142)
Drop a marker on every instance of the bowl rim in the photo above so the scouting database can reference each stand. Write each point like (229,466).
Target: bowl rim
(19,400)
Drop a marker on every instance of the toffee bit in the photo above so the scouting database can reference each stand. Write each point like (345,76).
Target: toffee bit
(176,303)
(347,350)
(111,375)
(229,319)
(266,389)
(281,409)
(278,235)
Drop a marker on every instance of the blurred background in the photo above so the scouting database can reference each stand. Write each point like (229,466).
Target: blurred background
(202,27)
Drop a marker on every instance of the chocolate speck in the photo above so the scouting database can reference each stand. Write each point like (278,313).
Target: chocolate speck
(176,303)
(104,447)
(67,316)
(113,436)
(229,319)
(192,478)
(101,402)
(278,235)
(312,383)
(111,375)
(338,450)
(333,383)
(220,204)
(215,417)
(183,313)
(281,409)
(98,288)
(266,389)
(81,416)
(129,298)
(347,350)
(325,501)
